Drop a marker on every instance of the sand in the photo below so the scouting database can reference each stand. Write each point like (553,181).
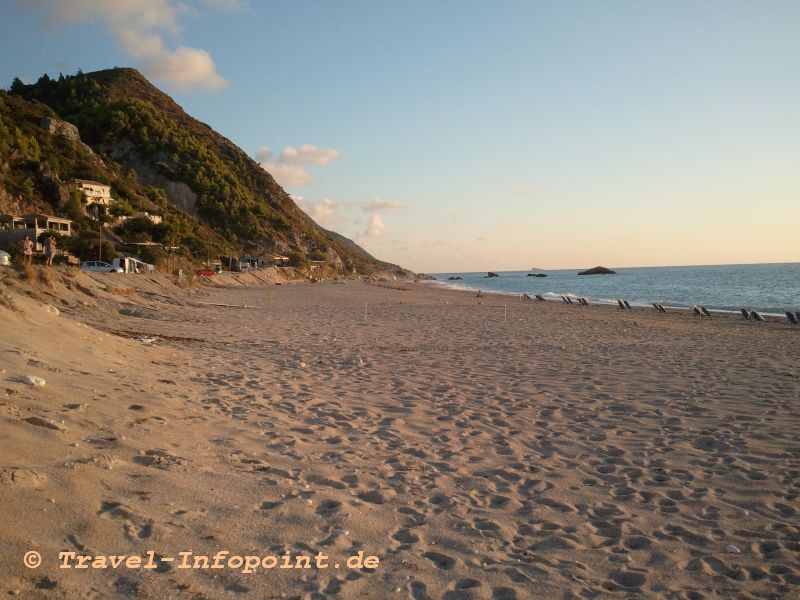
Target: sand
(479,448)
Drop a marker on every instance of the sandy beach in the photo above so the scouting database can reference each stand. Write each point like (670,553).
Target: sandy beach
(478,447)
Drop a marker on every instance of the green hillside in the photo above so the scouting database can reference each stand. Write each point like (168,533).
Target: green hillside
(214,198)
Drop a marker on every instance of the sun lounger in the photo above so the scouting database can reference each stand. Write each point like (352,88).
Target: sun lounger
(792,319)
(569,300)
(705,312)
(662,309)
(697,311)
(745,315)
(797,316)
(756,316)
(627,305)
(583,301)
(539,297)
(526,297)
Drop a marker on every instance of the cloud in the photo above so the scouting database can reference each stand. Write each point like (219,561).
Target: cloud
(288,175)
(136,25)
(287,170)
(308,154)
(377,204)
(323,212)
(375,227)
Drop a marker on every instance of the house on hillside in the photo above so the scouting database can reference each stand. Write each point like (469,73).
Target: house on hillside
(14,229)
(154,219)
(278,260)
(247,262)
(96,197)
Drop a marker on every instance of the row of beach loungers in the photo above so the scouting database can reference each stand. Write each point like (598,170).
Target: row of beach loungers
(700,311)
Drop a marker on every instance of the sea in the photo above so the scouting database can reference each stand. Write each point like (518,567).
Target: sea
(768,288)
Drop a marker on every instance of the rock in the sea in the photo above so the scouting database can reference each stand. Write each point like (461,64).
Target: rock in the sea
(598,271)
(454,278)
(491,274)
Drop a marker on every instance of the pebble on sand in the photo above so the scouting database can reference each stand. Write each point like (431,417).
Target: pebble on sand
(31,380)
(731,549)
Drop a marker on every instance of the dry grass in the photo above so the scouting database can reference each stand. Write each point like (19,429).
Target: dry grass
(191,281)
(46,277)
(71,271)
(27,273)
(120,291)
(6,301)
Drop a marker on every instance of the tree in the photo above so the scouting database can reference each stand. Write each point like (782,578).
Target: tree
(27,189)
(17,86)
(75,205)
(298,259)
(87,246)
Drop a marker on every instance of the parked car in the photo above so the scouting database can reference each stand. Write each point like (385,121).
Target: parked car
(99,266)
(206,273)
(5,259)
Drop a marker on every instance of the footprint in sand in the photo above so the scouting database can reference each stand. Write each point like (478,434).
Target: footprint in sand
(135,527)
(629,579)
(160,459)
(328,508)
(406,537)
(441,561)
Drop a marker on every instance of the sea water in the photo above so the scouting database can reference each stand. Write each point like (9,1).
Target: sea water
(769,288)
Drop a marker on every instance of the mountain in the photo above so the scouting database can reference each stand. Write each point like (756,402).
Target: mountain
(214,198)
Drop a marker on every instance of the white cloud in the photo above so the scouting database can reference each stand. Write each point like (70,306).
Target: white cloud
(377,204)
(287,170)
(375,228)
(308,154)
(135,24)
(287,175)
(323,212)
(264,154)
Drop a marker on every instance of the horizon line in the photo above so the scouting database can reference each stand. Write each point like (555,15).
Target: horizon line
(615,267)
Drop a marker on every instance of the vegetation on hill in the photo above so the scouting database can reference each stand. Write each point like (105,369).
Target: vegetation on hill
(213,197)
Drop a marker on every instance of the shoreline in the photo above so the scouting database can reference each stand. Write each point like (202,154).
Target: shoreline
(552,298)
(767,288)
(477,448)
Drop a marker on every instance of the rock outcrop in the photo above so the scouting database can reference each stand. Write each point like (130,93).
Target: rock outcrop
(598,271)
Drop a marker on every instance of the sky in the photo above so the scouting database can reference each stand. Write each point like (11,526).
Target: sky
(467,135)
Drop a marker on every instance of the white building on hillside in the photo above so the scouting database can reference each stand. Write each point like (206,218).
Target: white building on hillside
(96,196)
